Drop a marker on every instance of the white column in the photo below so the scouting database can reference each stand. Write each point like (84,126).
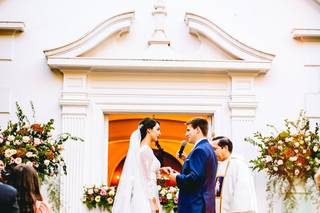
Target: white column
(74,154)
(74,112)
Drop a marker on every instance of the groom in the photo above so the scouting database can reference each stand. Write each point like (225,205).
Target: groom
(197,179)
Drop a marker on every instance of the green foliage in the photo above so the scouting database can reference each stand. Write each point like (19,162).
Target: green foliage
(288,156)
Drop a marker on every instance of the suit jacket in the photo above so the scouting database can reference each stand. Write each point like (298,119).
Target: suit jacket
(8,199)
(197,180)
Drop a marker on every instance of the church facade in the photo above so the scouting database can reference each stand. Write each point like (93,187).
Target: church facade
(92,64)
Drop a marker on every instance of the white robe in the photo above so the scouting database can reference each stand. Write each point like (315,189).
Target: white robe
(237,190)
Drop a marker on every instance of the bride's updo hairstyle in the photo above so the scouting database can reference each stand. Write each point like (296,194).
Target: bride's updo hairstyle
(146,123)
(149,123)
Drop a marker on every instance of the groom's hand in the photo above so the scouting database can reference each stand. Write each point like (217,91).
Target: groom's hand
(172,176)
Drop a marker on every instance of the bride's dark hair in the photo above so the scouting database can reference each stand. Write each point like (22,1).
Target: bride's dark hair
(149,123)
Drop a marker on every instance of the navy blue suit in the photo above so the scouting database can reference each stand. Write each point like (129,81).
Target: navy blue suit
(197,180)
(8,199)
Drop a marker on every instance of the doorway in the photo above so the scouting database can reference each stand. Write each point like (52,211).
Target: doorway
(172,134)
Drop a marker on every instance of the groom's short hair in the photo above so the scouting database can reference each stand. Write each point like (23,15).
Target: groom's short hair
(201,123)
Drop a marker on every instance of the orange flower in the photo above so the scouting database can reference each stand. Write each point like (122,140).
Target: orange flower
(288,153)
(23,132)
(272,150)
(21,152)
(37,127)
(49,154)
(301,160)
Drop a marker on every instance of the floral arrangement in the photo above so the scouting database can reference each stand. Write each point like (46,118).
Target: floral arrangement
(168,197)
(32,144)
(101,197)
(289,157)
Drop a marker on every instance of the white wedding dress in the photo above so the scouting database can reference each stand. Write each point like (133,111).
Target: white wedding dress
(150,168)
(138,182)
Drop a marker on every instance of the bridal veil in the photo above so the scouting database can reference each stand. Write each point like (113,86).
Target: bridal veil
(131,194)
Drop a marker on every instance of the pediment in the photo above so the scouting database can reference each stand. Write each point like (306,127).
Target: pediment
(223,52)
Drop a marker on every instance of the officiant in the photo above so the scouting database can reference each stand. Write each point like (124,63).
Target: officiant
(235,191)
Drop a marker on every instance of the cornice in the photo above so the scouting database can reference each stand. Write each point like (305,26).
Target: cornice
(12,26)
(305,34)
(157,65)
(200,25)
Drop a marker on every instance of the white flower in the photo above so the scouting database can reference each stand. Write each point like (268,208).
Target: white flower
(29,163)
(296,172)
(26,126)
(1,139)
(7,153)
(25,139)
(110,200)
(315,148)
(288,139)
(90,191)
(301,142)
(172,189)
(294,158)
(29,154)
(296,151)
(280,162)
(11,138)
(162,192)
(280,142)
(268,158)
(97,198)
(296,144)
(111,193)
(317,160)
(7,143)
(18,161)
(308,168)
(159,187)
(169,196)
(304,151)
(46,162)
(36,141)
(275,168)
(280,148)
(17,142)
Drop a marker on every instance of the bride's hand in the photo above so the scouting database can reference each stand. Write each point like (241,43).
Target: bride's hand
(154,205)
(166,170)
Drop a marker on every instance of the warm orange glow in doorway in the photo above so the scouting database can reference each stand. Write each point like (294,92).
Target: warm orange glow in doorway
(122,125)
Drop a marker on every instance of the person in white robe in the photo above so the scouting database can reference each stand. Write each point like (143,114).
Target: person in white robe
(235,191)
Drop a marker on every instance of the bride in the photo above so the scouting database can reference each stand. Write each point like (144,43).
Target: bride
(137,190)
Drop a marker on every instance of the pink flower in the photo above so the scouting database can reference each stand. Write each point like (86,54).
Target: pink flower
(90,191)
(175,200)
(103,192)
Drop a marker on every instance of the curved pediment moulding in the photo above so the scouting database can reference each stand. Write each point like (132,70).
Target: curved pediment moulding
(246,59)
(117,24)
(199,25)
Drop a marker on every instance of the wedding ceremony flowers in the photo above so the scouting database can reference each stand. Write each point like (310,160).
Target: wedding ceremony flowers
(32,144)
(99,197)
(289,157)
(168,197)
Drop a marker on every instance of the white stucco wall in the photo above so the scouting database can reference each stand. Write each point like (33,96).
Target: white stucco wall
(265,25)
